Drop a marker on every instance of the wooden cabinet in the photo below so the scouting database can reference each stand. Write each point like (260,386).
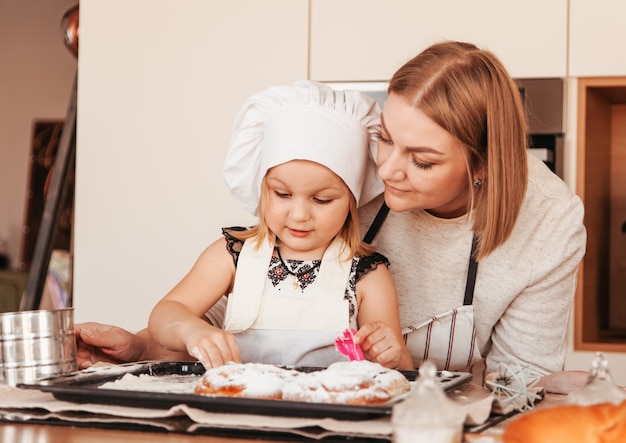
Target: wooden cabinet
(597,37)
(368,40)
(600,324)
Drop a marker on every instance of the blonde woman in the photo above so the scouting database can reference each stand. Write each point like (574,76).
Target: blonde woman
(484,238)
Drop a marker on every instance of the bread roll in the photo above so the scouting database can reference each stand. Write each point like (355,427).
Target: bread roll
(351,383)
(248,380)
(601,423)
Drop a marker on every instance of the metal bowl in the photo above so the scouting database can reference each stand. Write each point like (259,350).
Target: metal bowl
(36,344)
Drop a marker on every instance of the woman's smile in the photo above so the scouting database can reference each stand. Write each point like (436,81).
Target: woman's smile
(394,191)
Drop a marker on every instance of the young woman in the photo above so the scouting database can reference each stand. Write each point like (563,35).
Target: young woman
(484,239)
(300,161)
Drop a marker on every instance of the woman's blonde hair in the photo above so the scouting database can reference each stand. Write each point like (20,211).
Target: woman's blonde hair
(468,92)
(350,232)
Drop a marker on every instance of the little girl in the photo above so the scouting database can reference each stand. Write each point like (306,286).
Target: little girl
(301,160)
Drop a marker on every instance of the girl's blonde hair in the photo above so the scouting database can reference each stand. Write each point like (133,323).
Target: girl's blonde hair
(350,232)
(468,92)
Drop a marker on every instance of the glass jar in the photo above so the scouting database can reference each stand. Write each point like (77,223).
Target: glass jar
(599,387)
(427,415)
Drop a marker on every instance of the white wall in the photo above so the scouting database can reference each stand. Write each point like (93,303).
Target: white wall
(530,37)
(160,83)
(36,76)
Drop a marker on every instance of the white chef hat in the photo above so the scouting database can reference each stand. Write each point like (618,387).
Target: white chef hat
(304,121)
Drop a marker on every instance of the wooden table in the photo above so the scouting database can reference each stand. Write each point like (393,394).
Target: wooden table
(16,432)
(39,433)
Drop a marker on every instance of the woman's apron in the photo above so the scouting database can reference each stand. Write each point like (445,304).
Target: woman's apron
(288,329)
(447,339)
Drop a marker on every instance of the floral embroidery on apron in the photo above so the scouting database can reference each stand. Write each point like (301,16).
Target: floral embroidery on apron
(302,274)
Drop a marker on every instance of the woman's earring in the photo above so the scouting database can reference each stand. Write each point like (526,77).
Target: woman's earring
(478,183)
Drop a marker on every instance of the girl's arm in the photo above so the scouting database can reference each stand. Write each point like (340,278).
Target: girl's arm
(379,334)
(177,321)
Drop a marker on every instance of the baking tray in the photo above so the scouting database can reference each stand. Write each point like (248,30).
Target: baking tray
(85,387)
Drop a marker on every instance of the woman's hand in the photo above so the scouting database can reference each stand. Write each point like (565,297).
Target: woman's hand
(381,345)
(97,342)
(211,346)
(564,382)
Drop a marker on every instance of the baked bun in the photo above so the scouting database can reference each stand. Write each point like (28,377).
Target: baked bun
(601,423)
(350,383)
(249,380)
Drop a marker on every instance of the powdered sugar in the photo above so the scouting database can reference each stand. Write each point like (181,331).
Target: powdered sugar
(354,382)
(179,384)
(255,380)
(195,353)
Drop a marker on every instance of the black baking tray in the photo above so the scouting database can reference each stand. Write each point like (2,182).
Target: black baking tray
(84,387)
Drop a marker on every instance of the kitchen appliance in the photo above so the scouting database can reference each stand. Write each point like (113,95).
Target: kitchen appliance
(544,102)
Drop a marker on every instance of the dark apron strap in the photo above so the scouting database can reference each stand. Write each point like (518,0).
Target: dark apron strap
(376,224)
(471,274)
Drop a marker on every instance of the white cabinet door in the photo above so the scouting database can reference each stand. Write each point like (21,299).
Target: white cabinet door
(597,38)
(370,39)
(160,83)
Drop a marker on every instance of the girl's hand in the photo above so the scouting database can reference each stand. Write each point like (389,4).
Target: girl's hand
(211,346)
(381,345)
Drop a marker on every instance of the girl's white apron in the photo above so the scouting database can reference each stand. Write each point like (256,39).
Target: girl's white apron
(293,329)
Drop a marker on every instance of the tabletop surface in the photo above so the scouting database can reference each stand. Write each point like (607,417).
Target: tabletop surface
(42,433)
(27,433)
(15,431)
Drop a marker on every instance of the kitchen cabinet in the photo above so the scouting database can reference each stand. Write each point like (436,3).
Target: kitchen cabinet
(601,180)
(160,85)
(597,37)
(354,40)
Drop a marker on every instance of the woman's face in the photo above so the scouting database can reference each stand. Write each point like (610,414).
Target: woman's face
(423,166)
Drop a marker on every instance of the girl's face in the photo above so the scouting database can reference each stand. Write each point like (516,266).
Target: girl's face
(307,206)
(423,166)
